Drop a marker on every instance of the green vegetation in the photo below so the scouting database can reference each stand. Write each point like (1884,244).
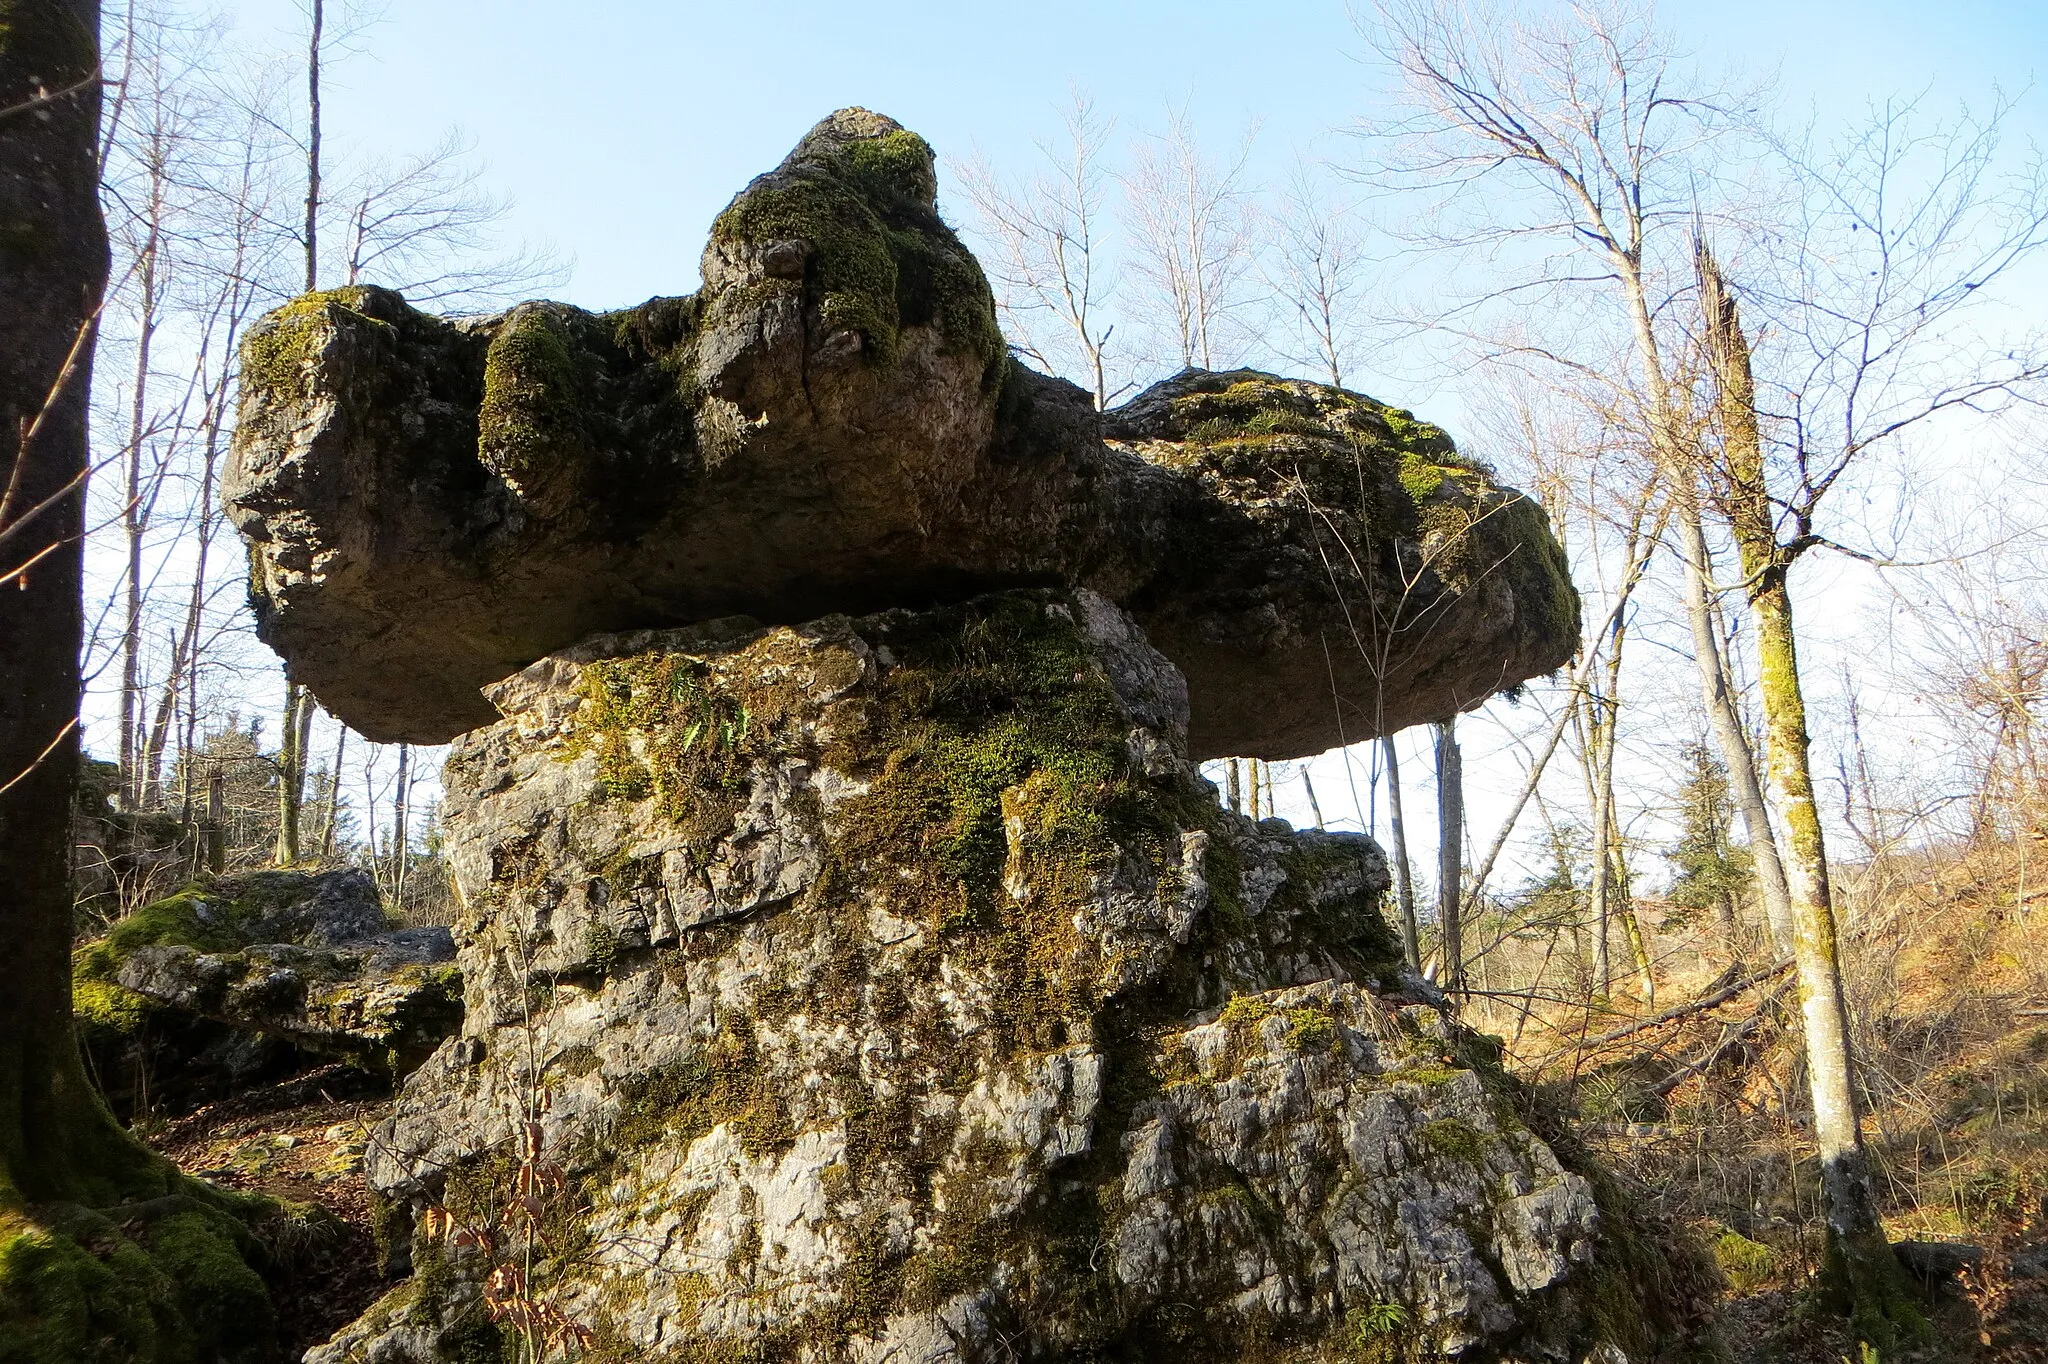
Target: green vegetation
(1455,1139)
(661,727)
(882,259)
(276,351)
(530,426)
(177,1278)
(1382,472)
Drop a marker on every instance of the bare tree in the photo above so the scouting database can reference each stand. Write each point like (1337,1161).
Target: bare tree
(1189,222)
(1054,286)
(427,227)
(1450,853)
(1317,273)
(1594,121)
(1863,377)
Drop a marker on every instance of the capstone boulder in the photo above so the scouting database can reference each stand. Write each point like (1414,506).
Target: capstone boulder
(832,423)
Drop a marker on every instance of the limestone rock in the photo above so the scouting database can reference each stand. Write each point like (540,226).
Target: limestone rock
(832,424)
(228,971)
(893,989)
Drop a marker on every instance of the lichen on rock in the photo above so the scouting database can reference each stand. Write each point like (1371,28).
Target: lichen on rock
(893,988)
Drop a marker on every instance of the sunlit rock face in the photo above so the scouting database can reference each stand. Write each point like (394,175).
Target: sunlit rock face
(893,988)
(832,423)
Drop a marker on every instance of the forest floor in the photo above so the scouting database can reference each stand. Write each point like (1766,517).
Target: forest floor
(301,1141)
(1703,1114)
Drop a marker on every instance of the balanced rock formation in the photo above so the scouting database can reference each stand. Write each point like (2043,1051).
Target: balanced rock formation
(832,424)
(893,989)
(855,965)
(234,980)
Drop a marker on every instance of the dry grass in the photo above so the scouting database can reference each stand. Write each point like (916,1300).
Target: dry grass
(1946,962)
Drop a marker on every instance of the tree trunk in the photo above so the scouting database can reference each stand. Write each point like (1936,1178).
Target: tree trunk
(333,795)
(401,807)
(1598,794)
(291,782)
(313,148)
(1726,723)
(1860,1265)
(134,519)
(1315,806)
(1623,895)
(57,1141)
(1404,883)
(216,819)
(1450,849)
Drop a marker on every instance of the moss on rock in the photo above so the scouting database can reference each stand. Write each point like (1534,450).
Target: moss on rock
(278,351)
(176,1279)
(881,259)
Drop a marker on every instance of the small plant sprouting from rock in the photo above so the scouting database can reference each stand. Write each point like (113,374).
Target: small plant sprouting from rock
(1371,1330)
(519,1234)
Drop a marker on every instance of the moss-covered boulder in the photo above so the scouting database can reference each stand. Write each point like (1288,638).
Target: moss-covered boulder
(832,424)
(179,1273)
(893,988)
(237,979)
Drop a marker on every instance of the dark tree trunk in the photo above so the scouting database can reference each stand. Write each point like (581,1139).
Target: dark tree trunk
(80,1280)
(56,1139)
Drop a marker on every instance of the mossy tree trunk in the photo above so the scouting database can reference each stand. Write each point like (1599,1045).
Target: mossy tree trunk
(1726,723)
(1860,1263)
(107,1252)
(57,1141)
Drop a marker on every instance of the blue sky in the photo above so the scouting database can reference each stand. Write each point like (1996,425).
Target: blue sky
(621,130)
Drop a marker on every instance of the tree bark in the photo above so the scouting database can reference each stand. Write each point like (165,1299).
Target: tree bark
(1726,723)
(1404,883)
(313,148)
(1860,1265)
(57,1141)
(400,838)
(1315,806)
(1623,894)
(333,794)
(291,768)
(1450,849)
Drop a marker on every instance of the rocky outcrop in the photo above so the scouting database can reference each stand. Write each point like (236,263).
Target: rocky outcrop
(832,424)
(893,989)
(227,982)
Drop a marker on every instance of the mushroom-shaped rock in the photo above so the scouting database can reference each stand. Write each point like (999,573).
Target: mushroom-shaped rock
(832,424)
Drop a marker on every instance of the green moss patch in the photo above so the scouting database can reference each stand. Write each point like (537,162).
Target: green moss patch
(1375,474)
(174,1280)
(278,350)
(881,258)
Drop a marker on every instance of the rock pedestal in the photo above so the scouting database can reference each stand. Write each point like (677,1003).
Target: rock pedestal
(894,989)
